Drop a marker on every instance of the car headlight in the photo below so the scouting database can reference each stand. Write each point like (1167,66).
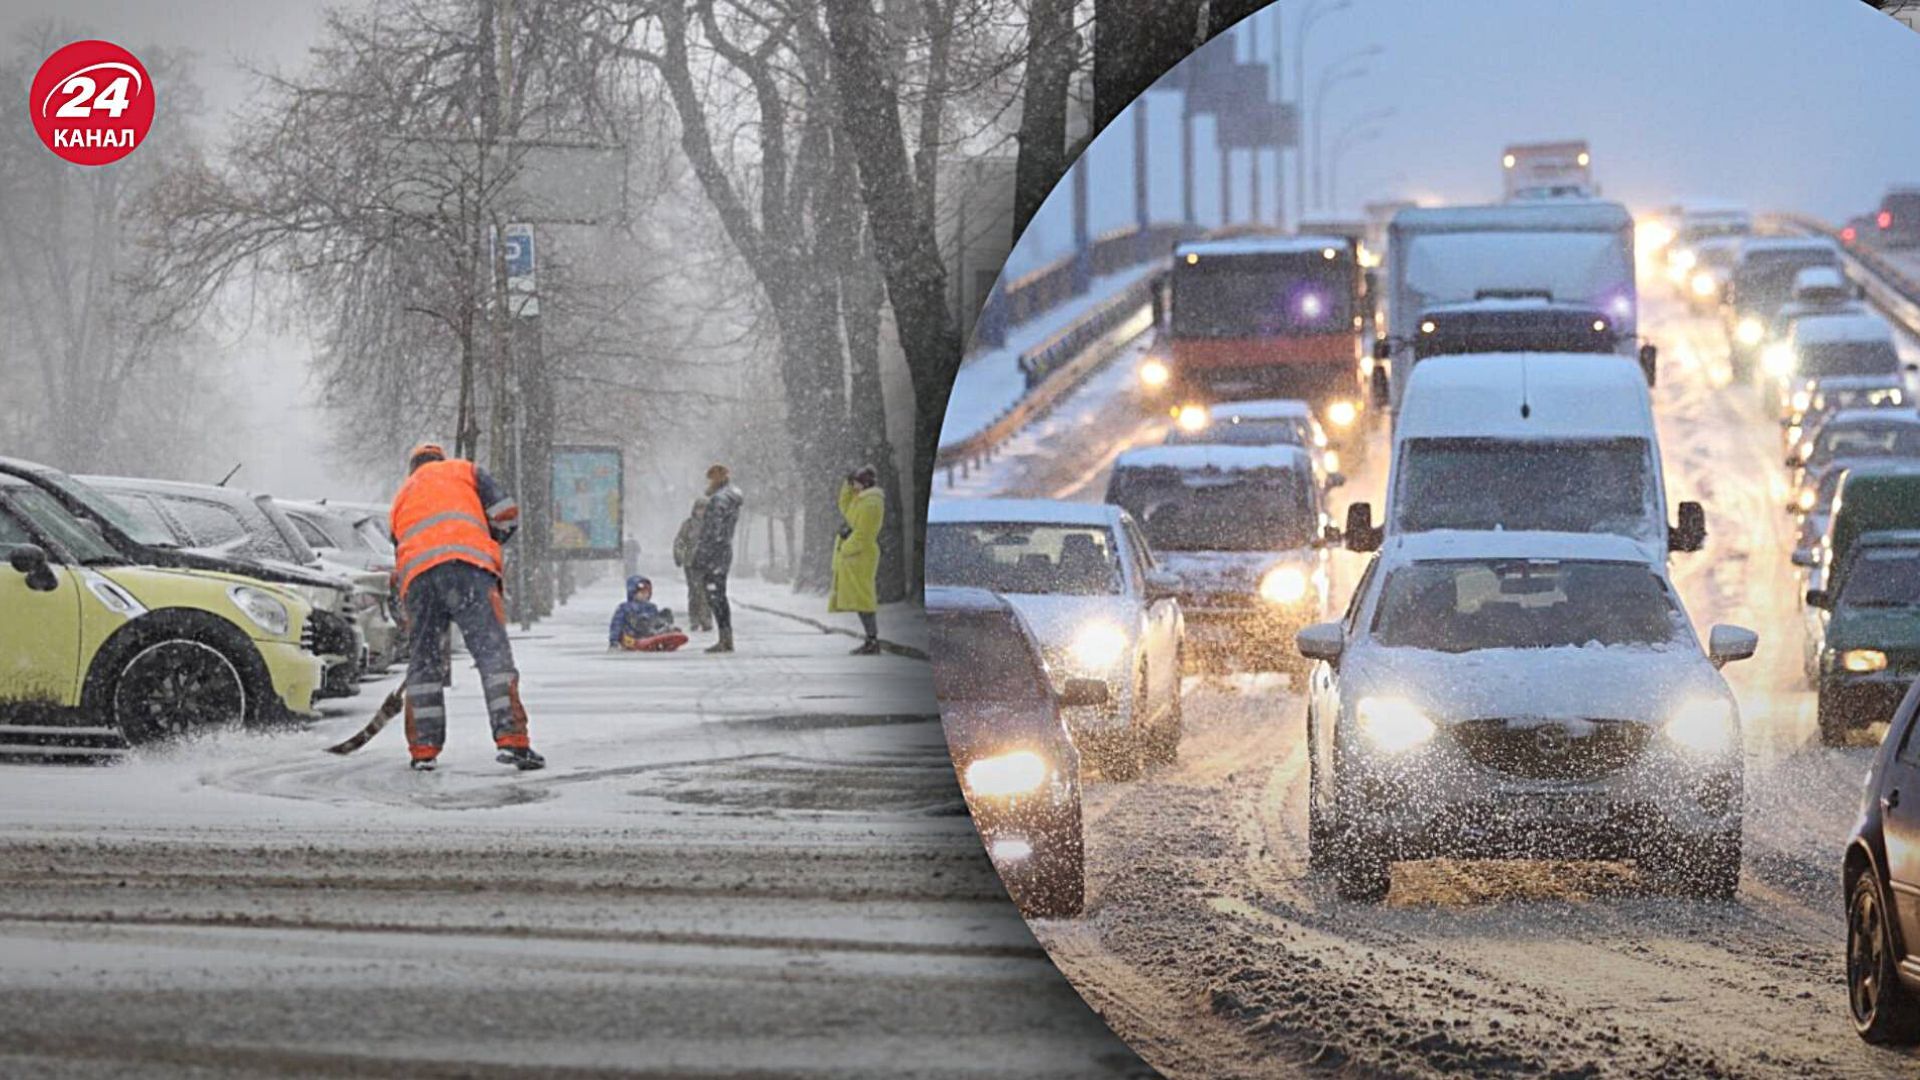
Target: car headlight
(1750,331)
(1802,401)
(1191,418)
(1703,725)
(1332,460)
(1778,360)
(1283,585)
(261,609)
(1155,374)
(1863,661)
(1007,774)
(1342,413)
(1704,285)
(1685,258)
(1392,724)
(1098,646)
(1804,501)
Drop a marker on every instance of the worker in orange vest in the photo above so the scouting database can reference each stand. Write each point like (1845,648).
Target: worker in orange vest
(449,521)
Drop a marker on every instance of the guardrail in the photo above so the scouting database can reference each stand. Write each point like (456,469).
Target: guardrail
(1039,291)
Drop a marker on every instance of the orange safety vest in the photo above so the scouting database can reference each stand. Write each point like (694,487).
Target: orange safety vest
(437,518)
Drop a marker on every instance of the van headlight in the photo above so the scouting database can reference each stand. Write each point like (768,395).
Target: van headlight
(1778,360)
(1703,725)
(1392,724)
(1283,585)
(1749,331)
(1863,661)
(1098,646)
(1007,774)
(261,610)
(1704,285)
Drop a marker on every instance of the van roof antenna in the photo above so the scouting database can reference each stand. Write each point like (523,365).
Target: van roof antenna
(229,476)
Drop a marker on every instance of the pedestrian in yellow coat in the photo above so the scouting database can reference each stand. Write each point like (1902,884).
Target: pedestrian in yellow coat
(856,554)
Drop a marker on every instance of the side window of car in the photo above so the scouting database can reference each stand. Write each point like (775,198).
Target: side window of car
(1909,752)
(1352,616)
(12,533)
(210,524)
(148,514)
(310,532)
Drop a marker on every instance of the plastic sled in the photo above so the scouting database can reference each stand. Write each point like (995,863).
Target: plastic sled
(666,641)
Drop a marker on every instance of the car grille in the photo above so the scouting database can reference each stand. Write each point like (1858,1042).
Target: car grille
(327,633)
(1552,751)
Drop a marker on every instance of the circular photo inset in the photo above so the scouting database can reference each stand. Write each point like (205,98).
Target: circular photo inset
(1427,547)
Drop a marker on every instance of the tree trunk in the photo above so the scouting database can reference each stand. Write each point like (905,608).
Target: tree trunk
(1136,42)
(1042,157)
(909,254)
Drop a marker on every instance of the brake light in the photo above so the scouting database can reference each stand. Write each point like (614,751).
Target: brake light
(1849,234)
(1885,219)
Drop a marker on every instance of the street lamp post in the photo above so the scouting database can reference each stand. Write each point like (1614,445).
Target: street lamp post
(1349,139)
(1345,70)
(1315,11)
(1323,171)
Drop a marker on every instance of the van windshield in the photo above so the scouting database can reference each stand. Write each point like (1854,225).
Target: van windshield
(1584,486)
(1764,280)
(1848,358)
(1025,559)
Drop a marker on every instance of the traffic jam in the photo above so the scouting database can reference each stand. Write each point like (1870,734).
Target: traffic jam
(1435,578)
(144,611)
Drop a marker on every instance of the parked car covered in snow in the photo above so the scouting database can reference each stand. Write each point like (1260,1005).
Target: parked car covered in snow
(1263,422)
(100,649)
(354,541)
(1244,528)
(1084,577)
(1499,695)
(1528,442)
(1017,763)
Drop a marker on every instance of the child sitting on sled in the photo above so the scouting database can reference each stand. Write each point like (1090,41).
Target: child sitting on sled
(639,625)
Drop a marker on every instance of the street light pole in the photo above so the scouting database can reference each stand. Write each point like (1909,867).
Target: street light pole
(1314,13)
(1370,118)
(1348,139)
(1329,79)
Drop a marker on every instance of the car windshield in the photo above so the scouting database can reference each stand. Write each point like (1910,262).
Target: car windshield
(1601,485)
(1866,440)
(373,533)
(1883,577)
(1237,511)
(1245,433)
(1254,296)
(984,659)
(1021,558)
(1848,358)
(44,514)
(1461,606)
(106,509)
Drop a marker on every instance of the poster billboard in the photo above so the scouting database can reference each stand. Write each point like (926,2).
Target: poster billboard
(588,487)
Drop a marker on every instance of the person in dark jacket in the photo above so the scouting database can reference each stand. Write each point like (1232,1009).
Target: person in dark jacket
(638,618)
(698,617)
(712,557)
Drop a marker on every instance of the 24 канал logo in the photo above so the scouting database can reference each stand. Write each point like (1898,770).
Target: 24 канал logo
(92,102)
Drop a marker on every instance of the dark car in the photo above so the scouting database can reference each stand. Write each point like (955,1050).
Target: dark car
(1897,224)
(1880,876)
(1865,635)
(1018,767)
(1761,283)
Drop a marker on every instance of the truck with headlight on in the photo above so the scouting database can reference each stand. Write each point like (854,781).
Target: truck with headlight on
(1548,170)
(1501,695)
(1018,766)
(1085,579)
(1265,316)
(1246,531)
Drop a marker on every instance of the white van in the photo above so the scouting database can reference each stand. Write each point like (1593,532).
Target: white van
(1538,442)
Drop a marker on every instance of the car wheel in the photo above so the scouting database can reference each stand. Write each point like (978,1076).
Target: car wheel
(1163,747)
(1704,868)
(1055,887)
(177,686)
(1320,834)
(1832,720)
(1882,1009)
(1361,871)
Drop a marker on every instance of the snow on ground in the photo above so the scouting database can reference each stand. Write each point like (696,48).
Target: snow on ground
(733,866)
(990,380)
(1213,951)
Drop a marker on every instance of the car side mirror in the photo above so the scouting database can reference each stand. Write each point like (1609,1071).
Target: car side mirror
(1804,557)
(1690,531)
(1322,641)
(1913,367)
(31,560)
(1336,479)
(1360,533)
(1818,598)
(1162,585)
(1382,349)
(1083,693)
(1794,460)
(1649,361)
(1382,387)
(1330,537)
(1726,643)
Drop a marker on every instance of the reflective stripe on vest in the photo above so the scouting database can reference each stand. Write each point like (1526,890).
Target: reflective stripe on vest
(438,519)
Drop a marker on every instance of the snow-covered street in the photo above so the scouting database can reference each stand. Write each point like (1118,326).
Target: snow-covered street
(1213,951)
(734,866)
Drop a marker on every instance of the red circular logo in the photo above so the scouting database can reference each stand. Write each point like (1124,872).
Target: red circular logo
(92,102)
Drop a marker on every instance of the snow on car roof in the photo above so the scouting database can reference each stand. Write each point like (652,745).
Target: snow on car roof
(1843,326)
(1263,245)
(1022,512)
(1565,394)
(1506,303)
(1444,544)
(1836,383)
(1765,244)
(1572,215)
(177,487)
(1819,277)
(1261,409)
(1868,417)
(1195,457)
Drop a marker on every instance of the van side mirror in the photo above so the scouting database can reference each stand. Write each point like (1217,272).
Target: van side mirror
(1382,387)
(1336,479)
(1804,557)
(1689,532)
(1818,598)
(1649,361)
(1382,349)
(31,560)
(1322,641)
(1330,537)
(1360,533)
(1725,644)
(1083,693)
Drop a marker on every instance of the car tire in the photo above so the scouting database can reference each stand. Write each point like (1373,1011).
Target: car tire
(1701,868)
(1163,746)
(1321,837)
(1832,719)
(176,686)
(1882,1010)
(1361,871)
(1056,888)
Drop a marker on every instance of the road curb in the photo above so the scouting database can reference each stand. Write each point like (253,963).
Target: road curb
(893,647)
